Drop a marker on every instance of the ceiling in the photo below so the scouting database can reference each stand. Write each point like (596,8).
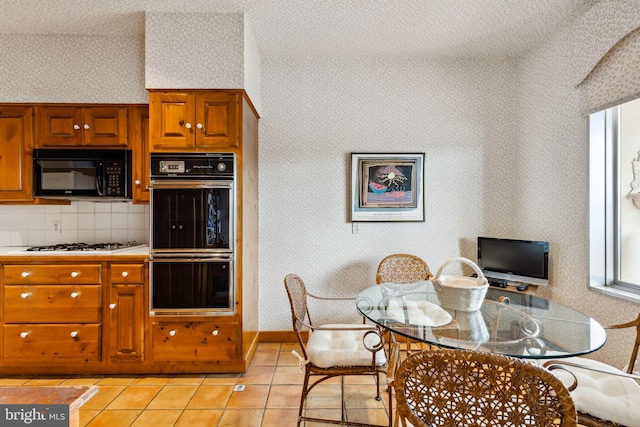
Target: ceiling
(325,27)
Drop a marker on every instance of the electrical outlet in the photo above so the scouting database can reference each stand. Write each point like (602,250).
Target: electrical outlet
(355,228)
(57,227)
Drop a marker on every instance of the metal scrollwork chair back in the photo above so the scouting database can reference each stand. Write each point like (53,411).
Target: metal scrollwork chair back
(334,350)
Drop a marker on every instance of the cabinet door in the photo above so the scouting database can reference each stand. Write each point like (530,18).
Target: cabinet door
(16,140)
(139,144)
(59,126)
(217,120)
(171,120)
(126,308)
(104,126)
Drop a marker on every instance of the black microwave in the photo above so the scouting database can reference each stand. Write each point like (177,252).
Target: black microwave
(82,174)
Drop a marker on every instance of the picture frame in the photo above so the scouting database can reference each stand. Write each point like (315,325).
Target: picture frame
(387,187)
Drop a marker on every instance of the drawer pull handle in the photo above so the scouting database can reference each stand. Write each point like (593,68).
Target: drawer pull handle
(24,295)
(74,334)
(172,332)
(125,273)
(215,332)
(25,274)
(75,294)
(74,274)
(112,306)
(24,334)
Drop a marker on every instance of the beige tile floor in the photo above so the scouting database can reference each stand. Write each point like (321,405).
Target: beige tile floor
(271,396)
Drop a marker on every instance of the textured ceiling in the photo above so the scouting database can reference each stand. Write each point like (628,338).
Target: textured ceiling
(325,27)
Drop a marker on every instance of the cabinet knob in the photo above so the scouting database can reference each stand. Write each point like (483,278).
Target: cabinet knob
(76,127)
(172,332)
(75,294)
(25,274)
(74,274)
(112,306)
(188,125)
(201,127)
(74,334)
(86,126)
(125,273)
(24,295)
(215,332)
(24,334)
(137,182)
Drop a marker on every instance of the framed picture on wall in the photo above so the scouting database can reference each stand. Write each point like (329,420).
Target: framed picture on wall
(387,187)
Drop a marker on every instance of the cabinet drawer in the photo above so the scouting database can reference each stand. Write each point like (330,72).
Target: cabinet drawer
(195,341)
(127,273)
(52,343)
(25,274)
(51,304)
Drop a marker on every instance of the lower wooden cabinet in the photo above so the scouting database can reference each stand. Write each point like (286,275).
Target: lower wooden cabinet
(126,312)
(51,343)
(93,318)
(195,341)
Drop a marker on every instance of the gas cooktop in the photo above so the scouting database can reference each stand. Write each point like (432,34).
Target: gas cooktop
(80,247)
(110,247)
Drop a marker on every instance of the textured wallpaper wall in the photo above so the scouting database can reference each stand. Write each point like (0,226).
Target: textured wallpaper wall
(461,113)
(194,51)
(65,68)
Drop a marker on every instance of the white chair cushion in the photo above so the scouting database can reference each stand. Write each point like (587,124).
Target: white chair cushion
(608,397)
(330,348)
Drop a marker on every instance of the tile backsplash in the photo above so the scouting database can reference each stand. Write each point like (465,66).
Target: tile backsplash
(87,222)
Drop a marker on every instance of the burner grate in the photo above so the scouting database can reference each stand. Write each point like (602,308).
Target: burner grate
(78,247)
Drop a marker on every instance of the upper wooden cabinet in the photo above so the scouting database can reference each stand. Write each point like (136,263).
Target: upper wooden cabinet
(139,144)
(16,139)
(72,125)
(194,119)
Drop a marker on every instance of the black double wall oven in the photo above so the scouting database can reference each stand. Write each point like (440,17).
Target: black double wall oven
(192,239)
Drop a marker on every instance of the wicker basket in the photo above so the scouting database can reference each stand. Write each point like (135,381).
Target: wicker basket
(460,293)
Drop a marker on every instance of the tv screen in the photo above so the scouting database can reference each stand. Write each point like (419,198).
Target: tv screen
(521,261)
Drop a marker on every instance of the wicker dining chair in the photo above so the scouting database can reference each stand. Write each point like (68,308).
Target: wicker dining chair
(604,396)
(457,388)
(404,268)
(334,350)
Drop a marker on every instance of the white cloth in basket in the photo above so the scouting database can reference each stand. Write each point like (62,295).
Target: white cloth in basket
(418,313)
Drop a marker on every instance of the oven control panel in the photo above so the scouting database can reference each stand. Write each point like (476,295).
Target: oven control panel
(193,165)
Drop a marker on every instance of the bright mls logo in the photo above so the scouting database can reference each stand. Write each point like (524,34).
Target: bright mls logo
(34,415)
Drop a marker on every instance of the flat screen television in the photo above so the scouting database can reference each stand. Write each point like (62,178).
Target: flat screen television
(516,261)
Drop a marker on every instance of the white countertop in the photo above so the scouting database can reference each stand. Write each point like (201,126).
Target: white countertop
(22,251)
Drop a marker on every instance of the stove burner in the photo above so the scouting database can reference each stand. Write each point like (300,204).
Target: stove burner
(79,247)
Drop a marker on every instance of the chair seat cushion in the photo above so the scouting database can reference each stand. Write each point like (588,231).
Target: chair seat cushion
(604,396)
(336,347)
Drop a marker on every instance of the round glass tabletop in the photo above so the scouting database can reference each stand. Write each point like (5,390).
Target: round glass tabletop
(512,323)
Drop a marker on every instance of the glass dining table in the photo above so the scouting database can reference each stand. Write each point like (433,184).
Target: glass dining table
(508,322)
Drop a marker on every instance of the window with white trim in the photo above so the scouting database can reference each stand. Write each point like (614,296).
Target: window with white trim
(614,203)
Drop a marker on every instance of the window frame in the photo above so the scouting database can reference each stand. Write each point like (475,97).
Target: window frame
(604,207)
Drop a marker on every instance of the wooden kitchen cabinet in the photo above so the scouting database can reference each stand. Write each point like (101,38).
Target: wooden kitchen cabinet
(183,120)
(76,125)
(126,312)
(213,340)
(139,144)
(51,313)
(16,141)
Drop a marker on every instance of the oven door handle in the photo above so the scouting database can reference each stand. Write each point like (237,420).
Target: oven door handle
(190,184)
(221,258)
